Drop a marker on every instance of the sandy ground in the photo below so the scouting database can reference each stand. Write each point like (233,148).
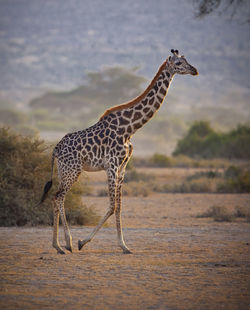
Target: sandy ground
(179,261)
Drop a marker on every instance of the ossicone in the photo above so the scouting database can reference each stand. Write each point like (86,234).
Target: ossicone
(175,52)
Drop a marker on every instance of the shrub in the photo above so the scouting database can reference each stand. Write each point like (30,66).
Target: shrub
(223,214)
(181,161)
(202,185)
(211,174)
(243,212)
(25,165)
(159,160)
(236,180)
(219,214)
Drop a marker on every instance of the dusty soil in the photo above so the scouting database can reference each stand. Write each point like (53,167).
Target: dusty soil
(179,261)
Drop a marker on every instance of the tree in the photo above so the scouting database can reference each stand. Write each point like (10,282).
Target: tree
(229,7)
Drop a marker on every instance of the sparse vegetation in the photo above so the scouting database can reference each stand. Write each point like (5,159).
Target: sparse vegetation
(231,180)
(24,169)
(224,214)
(180,161)
(103,192)
(135,176)
(219,214)
(213,182)
(136,189)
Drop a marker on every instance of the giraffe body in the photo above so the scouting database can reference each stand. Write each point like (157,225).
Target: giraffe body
(106,146)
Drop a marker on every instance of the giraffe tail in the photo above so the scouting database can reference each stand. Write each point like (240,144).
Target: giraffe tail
(48,185)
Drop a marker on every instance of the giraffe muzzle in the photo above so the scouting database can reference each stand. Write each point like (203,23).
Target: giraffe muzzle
(194,71)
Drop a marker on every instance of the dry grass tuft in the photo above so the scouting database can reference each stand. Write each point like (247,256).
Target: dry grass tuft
(224,214)
(136,189)
(219,214)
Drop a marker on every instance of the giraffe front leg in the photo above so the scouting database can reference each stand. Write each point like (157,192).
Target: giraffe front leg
(121,174)
(112,191)
(67,233)
(121,242)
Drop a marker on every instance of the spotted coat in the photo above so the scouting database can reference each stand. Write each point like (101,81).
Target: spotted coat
(106,146)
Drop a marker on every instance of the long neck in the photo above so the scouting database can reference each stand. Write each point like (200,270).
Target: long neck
(134,117)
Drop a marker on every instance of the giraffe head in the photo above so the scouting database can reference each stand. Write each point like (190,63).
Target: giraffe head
(180,64)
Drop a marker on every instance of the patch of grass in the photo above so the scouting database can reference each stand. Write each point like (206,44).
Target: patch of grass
(136,189)
(211,174)
(195,186)
(133,175)
(201,185)
(219,214)
(243,212)
(233,180)
(160,160)
(82,215)
(180,161)
(224,214)
(103,192)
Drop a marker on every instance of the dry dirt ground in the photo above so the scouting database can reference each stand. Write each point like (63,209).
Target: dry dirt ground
(179,261)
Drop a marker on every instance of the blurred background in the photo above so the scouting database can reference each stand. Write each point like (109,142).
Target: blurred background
(63,63)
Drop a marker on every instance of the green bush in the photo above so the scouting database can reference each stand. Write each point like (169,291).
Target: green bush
(25,166)
(202,141)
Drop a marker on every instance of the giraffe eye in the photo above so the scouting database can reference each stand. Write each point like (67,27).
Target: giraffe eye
(178,63)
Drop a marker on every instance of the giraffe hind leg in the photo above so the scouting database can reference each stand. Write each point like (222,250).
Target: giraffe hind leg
(55,242)
(59,209)
(67,180)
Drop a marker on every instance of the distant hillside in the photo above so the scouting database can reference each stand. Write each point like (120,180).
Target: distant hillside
(82,107)
(48,45)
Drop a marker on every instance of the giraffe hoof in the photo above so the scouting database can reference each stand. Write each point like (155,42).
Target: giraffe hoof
(60,252)
(127,251)
(81,243)
(69,249)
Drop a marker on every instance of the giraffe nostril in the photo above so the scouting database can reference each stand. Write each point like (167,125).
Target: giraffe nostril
(194,71)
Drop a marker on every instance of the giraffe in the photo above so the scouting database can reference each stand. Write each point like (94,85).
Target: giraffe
(106,146)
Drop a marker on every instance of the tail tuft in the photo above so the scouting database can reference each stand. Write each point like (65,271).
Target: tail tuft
(47,187)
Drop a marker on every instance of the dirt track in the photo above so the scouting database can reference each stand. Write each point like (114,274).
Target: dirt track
(178,261)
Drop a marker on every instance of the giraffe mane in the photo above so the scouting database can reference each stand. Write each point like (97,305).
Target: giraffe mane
(136,99)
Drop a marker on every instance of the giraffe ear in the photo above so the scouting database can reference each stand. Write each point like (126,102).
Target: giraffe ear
(169,58)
